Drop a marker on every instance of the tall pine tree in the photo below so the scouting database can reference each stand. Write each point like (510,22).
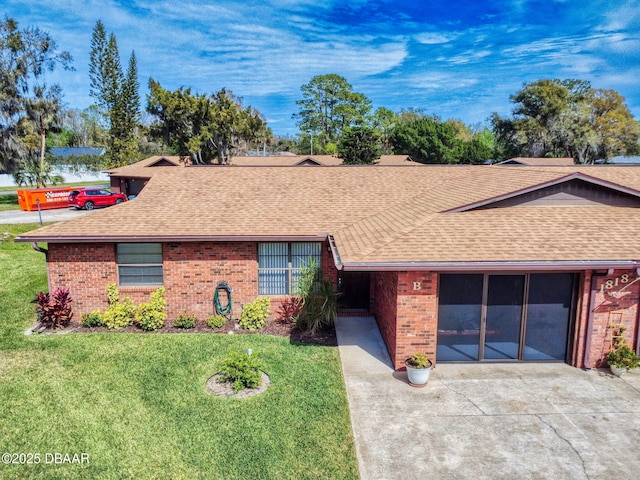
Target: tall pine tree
(117,97)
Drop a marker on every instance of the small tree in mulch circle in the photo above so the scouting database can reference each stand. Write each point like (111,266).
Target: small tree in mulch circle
(244,370)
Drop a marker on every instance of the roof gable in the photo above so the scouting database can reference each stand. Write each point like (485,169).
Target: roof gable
(576,189)
(163,162)
(538,161)
(309,161)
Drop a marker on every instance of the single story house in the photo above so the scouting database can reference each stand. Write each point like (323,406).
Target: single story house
(469,263)
(131,179)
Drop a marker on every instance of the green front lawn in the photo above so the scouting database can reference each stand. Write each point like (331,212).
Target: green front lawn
(137,404)
(9,201)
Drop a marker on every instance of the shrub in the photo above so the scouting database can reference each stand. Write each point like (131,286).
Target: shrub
(290,309)
(419,360)
(241,369)
(254,314)
(216,321)
(151,315)
(185,321)
(120,314)
(320,307)
(93,319)
(54,310)
(622,355)
(113,295)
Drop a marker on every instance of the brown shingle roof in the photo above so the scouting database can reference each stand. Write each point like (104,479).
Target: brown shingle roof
(385,215)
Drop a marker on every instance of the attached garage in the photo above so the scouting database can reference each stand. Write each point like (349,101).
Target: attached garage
(526,316)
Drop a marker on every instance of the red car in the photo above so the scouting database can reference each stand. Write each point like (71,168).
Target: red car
(89,199)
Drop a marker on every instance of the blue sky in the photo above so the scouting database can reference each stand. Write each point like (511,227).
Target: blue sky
(455,59)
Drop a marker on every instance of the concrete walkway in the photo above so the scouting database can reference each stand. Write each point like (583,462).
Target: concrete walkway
(487,421)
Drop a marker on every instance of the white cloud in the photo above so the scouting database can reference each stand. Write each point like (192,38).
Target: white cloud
(434,38)
(264,51)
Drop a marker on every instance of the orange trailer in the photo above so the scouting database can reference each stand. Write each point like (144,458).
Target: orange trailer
(55,197)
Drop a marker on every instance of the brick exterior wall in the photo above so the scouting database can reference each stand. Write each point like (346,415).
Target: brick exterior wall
(86,270)
(193,269)
(615,302)
(385,293)
(417,314)
(406,308)
(405,303)
(191,272)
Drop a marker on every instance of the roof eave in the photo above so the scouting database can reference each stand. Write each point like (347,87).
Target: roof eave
(170,238)
(480,266)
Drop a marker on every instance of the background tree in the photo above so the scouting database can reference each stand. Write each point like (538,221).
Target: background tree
(80,128)
(359,145)
(329,105)
(42,117)
(25,56)
(410,115)
(117,97)
(200,127)
(553,118)
(427,140)
(614,126)
(383,122)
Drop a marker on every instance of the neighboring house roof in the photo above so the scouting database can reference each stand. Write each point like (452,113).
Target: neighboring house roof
(64,152)
(383,217)
(323,160)
(622,160)
(140,169)
(145,168)
(531,161)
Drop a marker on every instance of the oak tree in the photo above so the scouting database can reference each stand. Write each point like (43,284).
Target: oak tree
(28,108)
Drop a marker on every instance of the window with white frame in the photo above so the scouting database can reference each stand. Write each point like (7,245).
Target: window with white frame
(279,265)
(139,263)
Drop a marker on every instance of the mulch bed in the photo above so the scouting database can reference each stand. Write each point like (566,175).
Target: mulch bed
(225,389)
(326,337)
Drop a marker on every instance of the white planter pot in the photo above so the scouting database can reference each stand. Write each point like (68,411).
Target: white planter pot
(418,377)
(617,371)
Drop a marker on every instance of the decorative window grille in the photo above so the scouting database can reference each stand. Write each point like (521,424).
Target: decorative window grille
(279,265)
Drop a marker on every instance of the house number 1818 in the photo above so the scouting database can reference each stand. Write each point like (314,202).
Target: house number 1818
(615,282)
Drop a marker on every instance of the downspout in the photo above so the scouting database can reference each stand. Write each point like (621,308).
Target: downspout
(592,300)
(38,248)
(334,252)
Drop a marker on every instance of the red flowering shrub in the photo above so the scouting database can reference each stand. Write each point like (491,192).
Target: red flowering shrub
(54,310)
(289,310)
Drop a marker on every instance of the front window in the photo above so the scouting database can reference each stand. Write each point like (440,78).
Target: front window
(139,263)
(279,265)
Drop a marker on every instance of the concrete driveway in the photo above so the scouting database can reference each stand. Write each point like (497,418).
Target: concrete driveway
(487,421)
(55,215)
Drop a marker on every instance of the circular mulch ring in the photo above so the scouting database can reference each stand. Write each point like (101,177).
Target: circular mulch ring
(225,389)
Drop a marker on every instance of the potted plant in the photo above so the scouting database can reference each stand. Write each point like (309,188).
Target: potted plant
(622,358)
(418,369)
